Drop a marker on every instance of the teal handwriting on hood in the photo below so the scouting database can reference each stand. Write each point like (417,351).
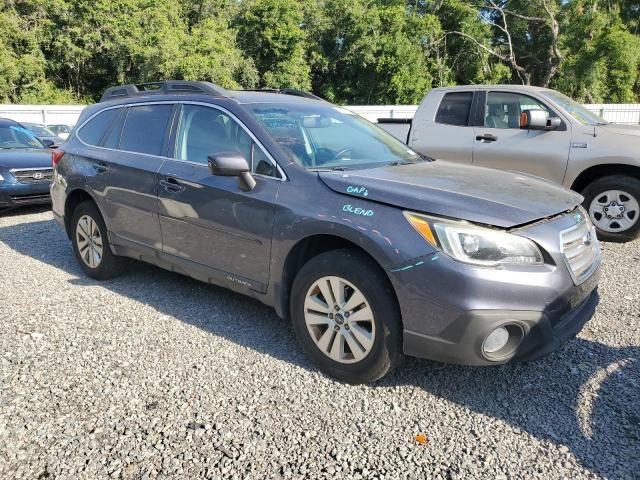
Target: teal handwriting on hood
(481,195)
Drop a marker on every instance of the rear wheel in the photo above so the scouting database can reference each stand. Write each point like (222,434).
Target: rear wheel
(613,204)
(345,316)
(91,244)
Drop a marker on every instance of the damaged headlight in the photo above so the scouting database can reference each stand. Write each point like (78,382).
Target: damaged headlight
(475,245)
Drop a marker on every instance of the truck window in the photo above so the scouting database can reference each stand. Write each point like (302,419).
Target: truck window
(503,109)
(455,109)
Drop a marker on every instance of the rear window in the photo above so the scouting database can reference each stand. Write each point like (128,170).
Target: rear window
(93,131)
(145,129)
(455,109)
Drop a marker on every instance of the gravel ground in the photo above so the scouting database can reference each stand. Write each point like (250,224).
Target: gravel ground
(154,375)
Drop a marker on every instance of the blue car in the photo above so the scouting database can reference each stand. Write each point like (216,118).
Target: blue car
(25,167)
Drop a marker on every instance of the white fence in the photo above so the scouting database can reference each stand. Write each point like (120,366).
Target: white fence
(68,114)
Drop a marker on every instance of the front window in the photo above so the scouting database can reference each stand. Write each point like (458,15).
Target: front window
(15,136)
(574,109)
(503,109)
(328,137)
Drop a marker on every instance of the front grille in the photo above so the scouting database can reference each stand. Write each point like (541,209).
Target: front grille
(580,248)
(33,175)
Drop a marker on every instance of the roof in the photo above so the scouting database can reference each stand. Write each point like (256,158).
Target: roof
(7,121)
(168,89)
(519,88)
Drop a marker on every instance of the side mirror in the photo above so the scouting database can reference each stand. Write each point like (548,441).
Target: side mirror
(232,164)
(49,143)
(538,120)
(553,123)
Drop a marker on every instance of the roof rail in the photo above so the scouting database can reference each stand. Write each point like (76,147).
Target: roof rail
(162,88)
(286,91)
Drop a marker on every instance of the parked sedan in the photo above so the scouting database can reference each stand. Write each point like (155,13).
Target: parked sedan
(43,134)
(25,167)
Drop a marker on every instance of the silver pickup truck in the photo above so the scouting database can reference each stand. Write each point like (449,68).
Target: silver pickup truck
(539,132)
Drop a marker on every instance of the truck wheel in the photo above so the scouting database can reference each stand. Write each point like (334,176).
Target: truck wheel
(91,243)
(613,204)
(346,317)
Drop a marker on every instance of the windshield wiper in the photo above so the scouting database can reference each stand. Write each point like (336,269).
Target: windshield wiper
(400,162)
(329,169)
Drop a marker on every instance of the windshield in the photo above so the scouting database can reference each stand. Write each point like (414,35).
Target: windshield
(324,136)
(40,130)
(576,110)
(15,136)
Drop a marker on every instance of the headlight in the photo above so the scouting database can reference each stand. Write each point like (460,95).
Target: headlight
(476,245)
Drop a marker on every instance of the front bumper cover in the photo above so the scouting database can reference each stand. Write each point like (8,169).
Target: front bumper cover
(462,341)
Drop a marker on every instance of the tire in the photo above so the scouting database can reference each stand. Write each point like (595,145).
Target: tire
(613,192)
(380,337)
(103,266)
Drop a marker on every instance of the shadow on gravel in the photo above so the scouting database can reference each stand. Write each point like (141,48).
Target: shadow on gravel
(586,397)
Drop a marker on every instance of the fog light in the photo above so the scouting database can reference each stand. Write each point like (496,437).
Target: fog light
(496,340)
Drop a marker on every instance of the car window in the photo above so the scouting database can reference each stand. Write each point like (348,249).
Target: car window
(93,131)
(203,131)
(455,109)
(15,136)
(320,135)
(503,109)
(145,129)
(112,140)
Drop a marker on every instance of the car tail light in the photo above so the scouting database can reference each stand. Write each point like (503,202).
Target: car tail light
(56,156)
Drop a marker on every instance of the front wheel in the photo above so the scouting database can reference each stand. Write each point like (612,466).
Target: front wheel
(346,317)
(613,204)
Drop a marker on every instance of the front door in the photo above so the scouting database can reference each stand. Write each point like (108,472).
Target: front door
(501,144)
(211,221)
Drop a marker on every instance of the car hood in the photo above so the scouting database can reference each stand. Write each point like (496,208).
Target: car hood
(632,130)
(25,158)
(481,195)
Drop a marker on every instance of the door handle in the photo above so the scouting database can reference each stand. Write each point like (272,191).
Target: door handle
(487,137)
(171,185)
(100,167)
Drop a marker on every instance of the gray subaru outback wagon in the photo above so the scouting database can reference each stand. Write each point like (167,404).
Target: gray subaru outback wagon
(370,250)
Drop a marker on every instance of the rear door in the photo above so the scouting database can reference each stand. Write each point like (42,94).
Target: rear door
(211,222)
(500,143)
(136,145)
(443,129)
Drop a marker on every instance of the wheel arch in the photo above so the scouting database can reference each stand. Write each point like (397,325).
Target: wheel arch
(309,247)
(75,198)
(603,170)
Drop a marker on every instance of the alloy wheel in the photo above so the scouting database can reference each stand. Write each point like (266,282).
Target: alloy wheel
(89,241)
(339,319)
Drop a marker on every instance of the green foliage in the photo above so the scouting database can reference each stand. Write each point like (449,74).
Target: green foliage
(271,34)
(348,51)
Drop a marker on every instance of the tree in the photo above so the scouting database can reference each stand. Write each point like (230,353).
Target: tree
(271,34)
(372,52)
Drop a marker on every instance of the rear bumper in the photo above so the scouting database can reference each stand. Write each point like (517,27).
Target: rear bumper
(17,194)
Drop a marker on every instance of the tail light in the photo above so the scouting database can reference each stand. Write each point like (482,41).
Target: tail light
(56,156)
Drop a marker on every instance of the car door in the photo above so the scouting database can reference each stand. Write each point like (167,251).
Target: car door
(135,147)
(448,134)
(500,143)
(214,222)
